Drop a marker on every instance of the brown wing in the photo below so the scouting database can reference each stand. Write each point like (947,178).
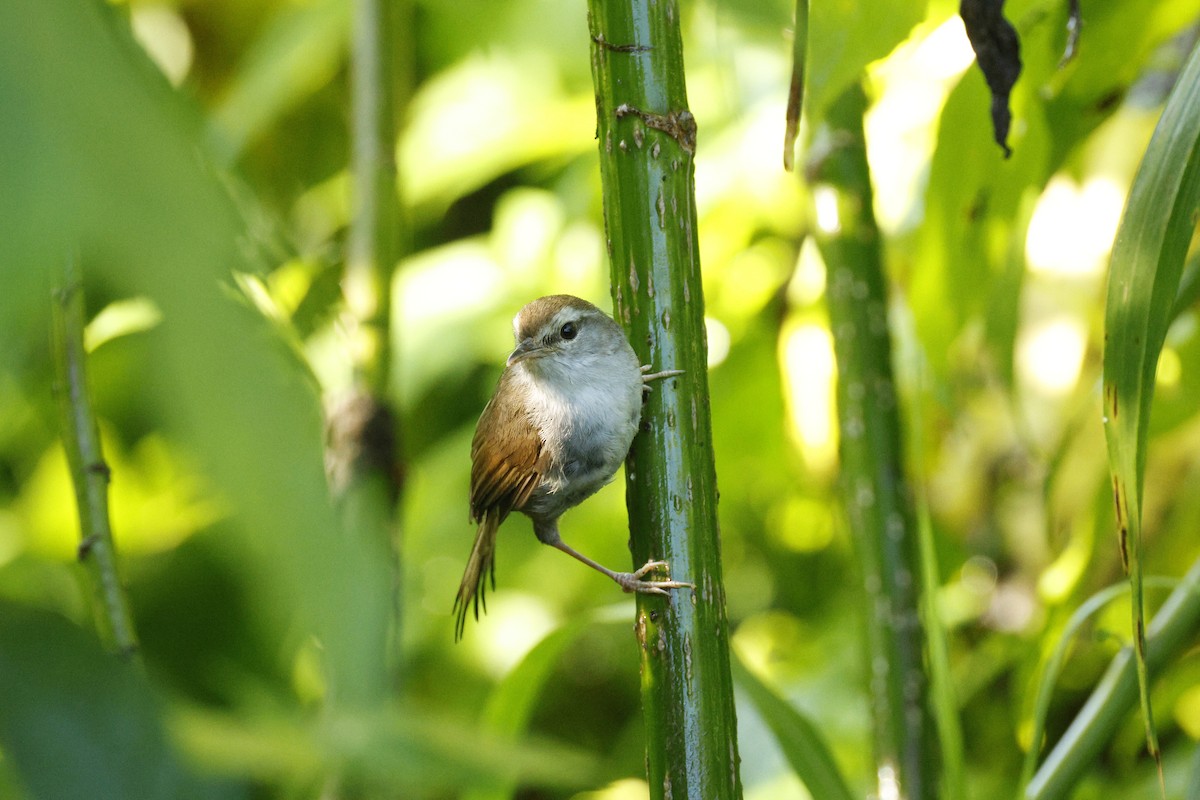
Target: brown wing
(504,472)
(506,455)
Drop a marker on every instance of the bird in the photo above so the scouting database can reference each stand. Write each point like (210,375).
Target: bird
(560,422)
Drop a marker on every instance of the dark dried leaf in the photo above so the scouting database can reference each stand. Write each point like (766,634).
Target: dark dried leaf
(1074,23)
(998,51)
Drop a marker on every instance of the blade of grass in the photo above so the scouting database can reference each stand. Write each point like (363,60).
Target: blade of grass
(942,698)
(1170,634)
(1193,786)
(1144,276)
(299,52)
(407,751)
(798,738)
(1053,667)
(511,703)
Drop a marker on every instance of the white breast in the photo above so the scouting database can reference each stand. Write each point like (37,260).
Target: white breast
(587,425)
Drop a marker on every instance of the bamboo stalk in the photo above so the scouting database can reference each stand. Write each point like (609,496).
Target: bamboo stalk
(647,144)
(363,449)
(89,472)
(374,235)
(875,492)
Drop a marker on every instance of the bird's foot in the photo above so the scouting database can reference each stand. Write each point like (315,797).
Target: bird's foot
(632,581)
(648,376)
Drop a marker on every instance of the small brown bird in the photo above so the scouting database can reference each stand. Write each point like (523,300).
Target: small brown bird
(560,423)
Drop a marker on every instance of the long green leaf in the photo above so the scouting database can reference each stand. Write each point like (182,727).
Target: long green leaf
(942,699)
(399,751)
(1144,275)
(1171,633)
(1053,667)
(76,722)
(1193,786)
(798,738)
(511,703)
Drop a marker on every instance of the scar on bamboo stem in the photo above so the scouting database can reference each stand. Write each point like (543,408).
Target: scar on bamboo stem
(87,546)
(679,125)
(620,48)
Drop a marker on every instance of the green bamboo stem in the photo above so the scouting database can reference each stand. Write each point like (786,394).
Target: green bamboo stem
(647,142)
(362,426)
(374,235)
(875,493)
(89,472)
(363,450)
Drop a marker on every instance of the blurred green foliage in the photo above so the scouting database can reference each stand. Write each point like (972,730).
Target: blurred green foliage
(194,155)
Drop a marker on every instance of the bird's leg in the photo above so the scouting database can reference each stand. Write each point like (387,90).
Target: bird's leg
(653,376)
(628,581)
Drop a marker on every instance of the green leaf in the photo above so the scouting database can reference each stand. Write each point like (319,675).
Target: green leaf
(76,722)
(1053,667)
(1171,634)
(1193,786)
(1144,277)
(844,36)
(132,191)
(300,52)
(402,752)
(942,699)
(798,738)
(511,703)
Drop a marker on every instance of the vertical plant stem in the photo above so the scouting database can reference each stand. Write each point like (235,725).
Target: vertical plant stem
(647,142)
(875,492)
(89,472)
(373,246)
(796,88)
(363,450)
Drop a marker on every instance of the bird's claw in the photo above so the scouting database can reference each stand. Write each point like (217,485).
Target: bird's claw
(653,376)
(632,581)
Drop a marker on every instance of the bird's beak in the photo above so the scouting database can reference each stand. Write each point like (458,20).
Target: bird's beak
(525,349)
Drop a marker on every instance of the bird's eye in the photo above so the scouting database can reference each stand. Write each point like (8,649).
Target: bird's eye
(569,331)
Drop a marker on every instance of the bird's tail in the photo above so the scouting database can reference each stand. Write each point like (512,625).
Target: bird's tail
(472,591)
